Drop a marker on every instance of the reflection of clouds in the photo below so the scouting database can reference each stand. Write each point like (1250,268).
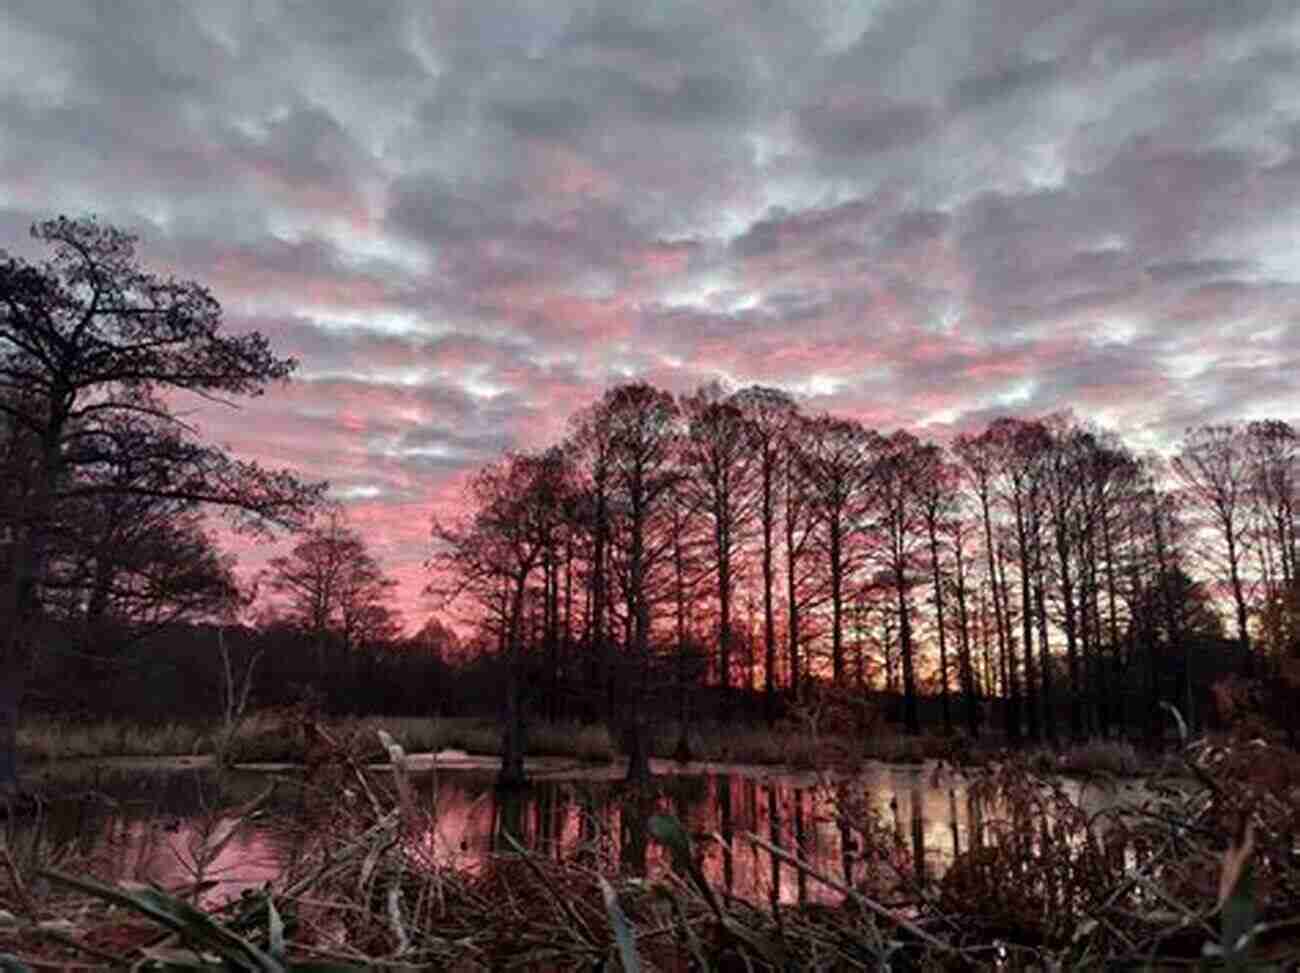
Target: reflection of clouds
(176,855)
(588,818)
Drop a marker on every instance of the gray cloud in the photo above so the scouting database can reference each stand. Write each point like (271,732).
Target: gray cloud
(467,220)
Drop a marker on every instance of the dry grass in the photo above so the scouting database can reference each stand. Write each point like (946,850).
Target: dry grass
(1203,868)
(43,739)
(276,737)
(1093,758)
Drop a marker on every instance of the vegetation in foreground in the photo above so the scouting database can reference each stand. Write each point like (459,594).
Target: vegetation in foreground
(1202,871)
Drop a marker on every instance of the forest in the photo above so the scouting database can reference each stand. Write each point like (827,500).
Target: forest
(730,552)
(724,555)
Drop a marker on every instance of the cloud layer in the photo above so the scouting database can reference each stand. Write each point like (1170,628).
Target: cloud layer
(466,220)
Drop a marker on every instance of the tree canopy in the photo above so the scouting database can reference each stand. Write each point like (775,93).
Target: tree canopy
(94,348)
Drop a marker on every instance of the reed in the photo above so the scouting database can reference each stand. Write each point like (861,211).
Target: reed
(1201,872)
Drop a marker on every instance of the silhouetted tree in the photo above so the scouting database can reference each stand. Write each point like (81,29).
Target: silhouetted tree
(490,555)
(1214,469)
(836,471)
(645,443)
(898,466)
(335,591)
(979,457)
(936,484)
(768,416)
(717,461)
(92,350)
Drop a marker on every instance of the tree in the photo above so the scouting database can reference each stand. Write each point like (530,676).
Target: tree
(899,467)
(936,480)
(1214,468)
(491,555)
(717,465)
(92,350)
(769,414)
(645,478)
(335,591)
(1273,451)
(979,457)
(837,469)
(1063,482)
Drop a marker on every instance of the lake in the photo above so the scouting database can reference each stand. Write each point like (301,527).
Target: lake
(882,827)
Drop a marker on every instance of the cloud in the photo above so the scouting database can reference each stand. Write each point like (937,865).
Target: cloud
(467,221)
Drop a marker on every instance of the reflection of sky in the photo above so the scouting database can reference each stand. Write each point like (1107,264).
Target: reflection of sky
(587,818)
(562,818)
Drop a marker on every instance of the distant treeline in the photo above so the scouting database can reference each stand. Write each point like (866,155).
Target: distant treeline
(1037,577)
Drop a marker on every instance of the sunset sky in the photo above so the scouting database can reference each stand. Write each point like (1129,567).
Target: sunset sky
(467,220)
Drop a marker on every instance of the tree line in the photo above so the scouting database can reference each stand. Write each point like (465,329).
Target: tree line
(723,554)
(1037,577)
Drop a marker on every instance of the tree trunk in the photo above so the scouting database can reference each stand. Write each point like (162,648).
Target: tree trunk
(512,773)
(792,597)
(837,607)
(769,615)
(939,620)
(12,685)
(1030,683)
(966,664)
(911,718)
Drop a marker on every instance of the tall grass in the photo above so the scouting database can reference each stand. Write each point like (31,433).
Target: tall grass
(43,739)
(1200,875)
(277,737)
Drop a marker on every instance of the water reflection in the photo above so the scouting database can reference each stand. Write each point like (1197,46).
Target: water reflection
(876,829)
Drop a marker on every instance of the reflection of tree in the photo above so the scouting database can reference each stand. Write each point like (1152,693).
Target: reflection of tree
(636,804)
(726,829)
(508,819)
(774,836)
(800,842)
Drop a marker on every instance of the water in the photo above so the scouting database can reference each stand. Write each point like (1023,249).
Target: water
(880,829)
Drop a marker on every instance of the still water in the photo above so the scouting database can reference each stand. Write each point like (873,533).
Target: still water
(883,826)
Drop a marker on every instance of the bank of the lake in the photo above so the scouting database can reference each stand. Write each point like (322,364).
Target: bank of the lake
(901,866)
(279,738)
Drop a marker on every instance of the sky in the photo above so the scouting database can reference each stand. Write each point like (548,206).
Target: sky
(467,220)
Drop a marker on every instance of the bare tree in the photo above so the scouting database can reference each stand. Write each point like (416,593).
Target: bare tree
(936,481)
(1273,451)
(836,459)
(89,342)
(979,457)
(491,554)
(768,414)
(798,532)
(645,442)
(717,462)
(335,591)
(896,481)
(1214,469)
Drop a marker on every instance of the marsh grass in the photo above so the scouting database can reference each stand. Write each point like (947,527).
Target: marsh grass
(1202,873)
(42,739)
(1092,758)
(277,737)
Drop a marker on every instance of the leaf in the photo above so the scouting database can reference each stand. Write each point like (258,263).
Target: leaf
(1178,718)
(274,930)
(668,831)
(178,916)
(1237,898)
(622,929)
(1234,863)
(12,964)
